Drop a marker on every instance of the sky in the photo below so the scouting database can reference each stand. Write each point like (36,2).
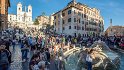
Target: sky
(110,9)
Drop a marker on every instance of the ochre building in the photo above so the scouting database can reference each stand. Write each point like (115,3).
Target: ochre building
(4,4)
(115,31)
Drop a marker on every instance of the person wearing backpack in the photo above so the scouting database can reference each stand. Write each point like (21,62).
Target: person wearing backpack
(4,55)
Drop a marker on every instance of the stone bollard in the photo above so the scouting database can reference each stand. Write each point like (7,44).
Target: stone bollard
(68,44)
(68,48)
(74,46)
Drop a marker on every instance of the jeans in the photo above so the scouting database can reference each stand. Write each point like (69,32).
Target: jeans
(24,54)
(14,47)
(89,65)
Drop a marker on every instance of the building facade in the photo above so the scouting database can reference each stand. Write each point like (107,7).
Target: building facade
(51,20)
(43,20)
(12,18)
(77,18)
(4,4)
(115,31)
(21,16)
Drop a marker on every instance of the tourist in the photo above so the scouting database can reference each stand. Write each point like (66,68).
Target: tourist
(89,60)
(4,58)
(24,50)
(34,62)
(47,55)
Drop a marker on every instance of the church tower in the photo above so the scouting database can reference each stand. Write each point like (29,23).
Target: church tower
(19,11)
(19,8)
(30,13)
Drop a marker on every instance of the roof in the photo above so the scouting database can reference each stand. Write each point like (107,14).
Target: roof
(113,27)
(43,16)
(69,5)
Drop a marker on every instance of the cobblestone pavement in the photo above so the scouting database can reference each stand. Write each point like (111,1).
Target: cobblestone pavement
(17,63)
(16,58)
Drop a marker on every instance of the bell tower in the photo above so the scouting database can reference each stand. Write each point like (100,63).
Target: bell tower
(19,8)
(30,12)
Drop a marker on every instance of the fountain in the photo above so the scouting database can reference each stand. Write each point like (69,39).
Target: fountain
(105,59)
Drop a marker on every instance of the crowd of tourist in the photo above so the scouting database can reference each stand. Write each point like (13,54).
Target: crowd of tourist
(44,47)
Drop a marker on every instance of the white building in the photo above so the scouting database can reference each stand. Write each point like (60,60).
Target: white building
(51,19)
(77,18)
(11,17)
(21,16)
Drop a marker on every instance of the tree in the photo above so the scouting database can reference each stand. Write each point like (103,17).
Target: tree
(43,14)
(36,22)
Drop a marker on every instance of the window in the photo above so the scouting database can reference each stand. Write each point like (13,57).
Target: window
(0,23)
(29,10)
(63,14)
(63,28)
(69,12)
(19,8)
(74,12)
(74,19)
(79,13)
(86,23)
(55,23)
(74,27)
(87,17)
(19,18)
(69,20)
(54,17)
(84,15)
(82,28)
(69,27)
(63,21)
(79,21)
(78,27)
(82,22)
(58,22)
